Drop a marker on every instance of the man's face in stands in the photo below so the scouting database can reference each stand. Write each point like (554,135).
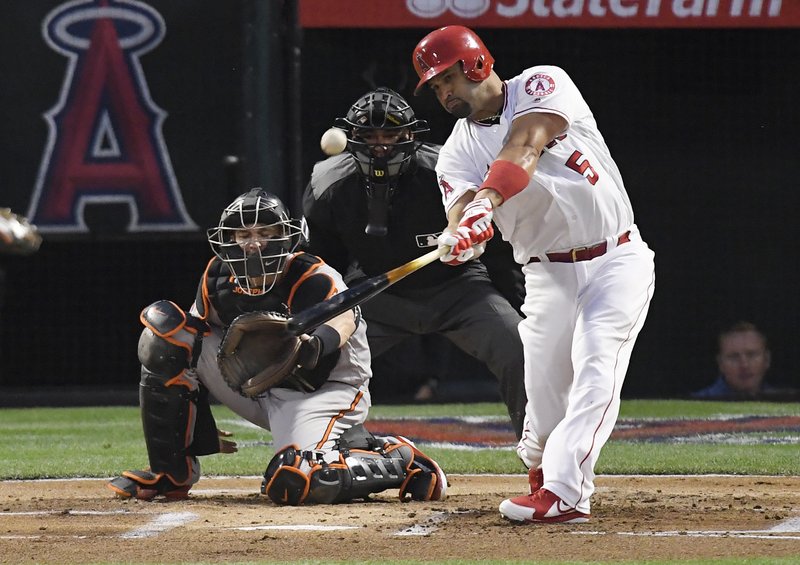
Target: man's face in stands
(743,360)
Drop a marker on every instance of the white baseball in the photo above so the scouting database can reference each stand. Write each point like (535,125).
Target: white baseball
(333,141)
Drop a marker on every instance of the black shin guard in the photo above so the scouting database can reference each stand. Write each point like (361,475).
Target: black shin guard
(168,420)
(170,397)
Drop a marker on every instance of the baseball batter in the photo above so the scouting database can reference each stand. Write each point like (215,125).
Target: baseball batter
(527,154)
(316,414)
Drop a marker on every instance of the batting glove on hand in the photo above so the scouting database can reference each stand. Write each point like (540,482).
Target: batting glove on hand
(477,218)
(460,246)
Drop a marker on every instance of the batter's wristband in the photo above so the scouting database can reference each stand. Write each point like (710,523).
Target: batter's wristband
(328,339)
(506,178)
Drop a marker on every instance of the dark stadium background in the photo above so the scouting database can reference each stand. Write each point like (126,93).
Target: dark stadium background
(702,122)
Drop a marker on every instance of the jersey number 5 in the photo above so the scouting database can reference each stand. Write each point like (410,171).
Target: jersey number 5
(581,168)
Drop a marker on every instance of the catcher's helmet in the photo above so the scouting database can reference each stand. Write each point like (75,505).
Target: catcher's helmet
(382,109)
(252,265)
(446,46)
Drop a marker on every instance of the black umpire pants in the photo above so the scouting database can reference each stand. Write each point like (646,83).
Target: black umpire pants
(470,313)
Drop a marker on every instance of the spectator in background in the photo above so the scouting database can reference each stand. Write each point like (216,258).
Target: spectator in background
(743,361)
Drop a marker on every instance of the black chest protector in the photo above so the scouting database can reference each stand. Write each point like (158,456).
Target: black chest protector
(220,289)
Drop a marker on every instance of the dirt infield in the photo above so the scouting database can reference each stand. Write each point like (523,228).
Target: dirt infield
(78,521)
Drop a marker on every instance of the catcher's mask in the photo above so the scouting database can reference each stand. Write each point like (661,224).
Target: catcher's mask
(254,237)
(383,135)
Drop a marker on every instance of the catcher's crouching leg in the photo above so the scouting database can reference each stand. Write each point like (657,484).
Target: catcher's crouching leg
(424,480)
(363,465)
(176,417)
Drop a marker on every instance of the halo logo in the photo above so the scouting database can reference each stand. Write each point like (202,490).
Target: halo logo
(105,143)
(460,8)
(540,85)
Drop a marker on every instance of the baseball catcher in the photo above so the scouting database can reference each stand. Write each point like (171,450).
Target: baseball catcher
(310,390)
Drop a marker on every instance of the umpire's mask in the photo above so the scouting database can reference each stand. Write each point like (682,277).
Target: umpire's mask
(383,136)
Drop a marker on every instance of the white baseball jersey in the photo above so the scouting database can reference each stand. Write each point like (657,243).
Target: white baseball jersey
(576,196)
(581,318)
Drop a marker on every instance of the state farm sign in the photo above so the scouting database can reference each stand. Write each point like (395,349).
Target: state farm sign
(550,13)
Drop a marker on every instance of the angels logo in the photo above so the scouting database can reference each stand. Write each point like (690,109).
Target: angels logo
(460,8)
(105,143)
(445,187)
(540,85)
(423,66)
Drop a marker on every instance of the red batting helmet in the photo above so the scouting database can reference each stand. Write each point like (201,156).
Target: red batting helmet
(447,46)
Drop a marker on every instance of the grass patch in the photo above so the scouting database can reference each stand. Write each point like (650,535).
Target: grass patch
(102,441)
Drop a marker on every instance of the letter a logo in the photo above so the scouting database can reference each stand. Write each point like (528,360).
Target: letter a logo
(105,143)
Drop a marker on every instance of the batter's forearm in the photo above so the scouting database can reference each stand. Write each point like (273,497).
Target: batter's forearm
(509,173)
(457,209)
(494,197)
(525,156)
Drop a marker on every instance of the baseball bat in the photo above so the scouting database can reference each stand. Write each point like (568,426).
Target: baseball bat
(320,313)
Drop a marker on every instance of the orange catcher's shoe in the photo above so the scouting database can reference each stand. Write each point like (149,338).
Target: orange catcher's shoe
(146,485)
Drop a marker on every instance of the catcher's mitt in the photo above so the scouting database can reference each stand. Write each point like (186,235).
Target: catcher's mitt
(17,234)
(257,352)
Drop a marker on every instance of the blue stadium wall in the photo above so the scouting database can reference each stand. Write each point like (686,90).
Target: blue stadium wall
(702,122)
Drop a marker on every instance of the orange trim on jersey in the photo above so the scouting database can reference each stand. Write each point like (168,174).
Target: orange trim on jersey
(204,293)
(341,414)
(305,276)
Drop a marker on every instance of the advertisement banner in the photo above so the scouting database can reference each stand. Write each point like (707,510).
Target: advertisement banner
(550,13)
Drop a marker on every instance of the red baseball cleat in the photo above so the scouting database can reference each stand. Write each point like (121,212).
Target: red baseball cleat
(542,507)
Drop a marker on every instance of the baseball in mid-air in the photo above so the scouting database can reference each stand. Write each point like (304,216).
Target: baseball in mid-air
(333,141)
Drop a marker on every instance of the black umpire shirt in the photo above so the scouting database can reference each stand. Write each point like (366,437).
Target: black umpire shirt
(335,207)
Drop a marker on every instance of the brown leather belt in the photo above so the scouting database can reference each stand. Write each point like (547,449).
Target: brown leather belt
(583,253)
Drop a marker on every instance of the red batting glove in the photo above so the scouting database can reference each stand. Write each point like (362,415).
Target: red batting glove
(477,218)
(460,246)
